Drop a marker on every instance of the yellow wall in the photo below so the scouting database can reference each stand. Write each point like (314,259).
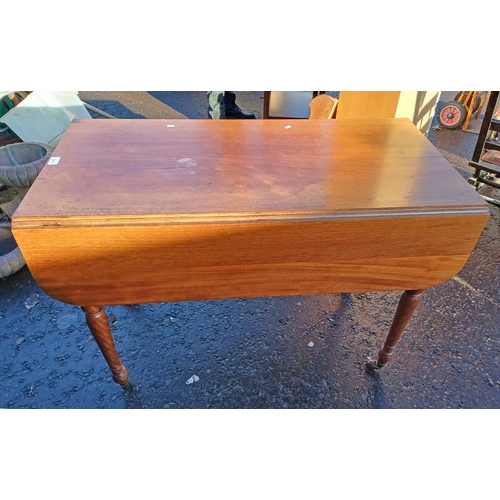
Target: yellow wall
(419,107)
(367,104)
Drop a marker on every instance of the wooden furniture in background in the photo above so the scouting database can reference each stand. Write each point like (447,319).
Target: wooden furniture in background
(365,105)
(322,106)
(486,156)
(287,104)
(132,211)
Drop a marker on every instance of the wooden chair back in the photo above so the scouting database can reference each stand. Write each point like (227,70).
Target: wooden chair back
(323,106)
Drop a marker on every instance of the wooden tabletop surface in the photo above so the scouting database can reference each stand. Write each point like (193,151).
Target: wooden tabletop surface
(180,169)
(132,211)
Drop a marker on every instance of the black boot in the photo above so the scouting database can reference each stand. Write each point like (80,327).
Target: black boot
(232,109)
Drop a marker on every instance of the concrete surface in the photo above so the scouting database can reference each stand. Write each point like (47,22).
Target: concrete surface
(256,353)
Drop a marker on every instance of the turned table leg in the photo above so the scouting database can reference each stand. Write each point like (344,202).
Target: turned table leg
(406,307)
(99,326)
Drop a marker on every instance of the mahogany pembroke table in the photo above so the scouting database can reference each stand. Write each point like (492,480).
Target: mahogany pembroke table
(134,211)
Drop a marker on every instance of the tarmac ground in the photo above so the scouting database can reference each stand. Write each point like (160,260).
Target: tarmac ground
(303,352)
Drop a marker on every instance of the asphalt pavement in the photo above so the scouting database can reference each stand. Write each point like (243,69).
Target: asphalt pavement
(303,352)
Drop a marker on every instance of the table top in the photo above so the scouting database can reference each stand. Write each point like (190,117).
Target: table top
(132,211)
(178,170)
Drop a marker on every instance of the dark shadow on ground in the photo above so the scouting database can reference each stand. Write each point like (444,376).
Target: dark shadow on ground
(194,104)
(114,108)
(376,388)
(190,104)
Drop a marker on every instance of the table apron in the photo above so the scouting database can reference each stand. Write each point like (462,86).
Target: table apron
(154,263)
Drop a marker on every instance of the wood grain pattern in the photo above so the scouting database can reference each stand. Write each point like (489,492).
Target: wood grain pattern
(367,104)
(145,168)
(323,207)
(98,323)
(170,210)
(322,107)
(173,262)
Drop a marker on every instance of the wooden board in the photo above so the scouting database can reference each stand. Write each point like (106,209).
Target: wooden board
(367,104)
(168,210)
(200,168)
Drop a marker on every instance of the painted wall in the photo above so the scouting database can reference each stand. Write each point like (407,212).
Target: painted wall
(419,107)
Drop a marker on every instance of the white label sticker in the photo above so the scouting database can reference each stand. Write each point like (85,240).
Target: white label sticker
(187,162)
(54,160)
(170,126)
